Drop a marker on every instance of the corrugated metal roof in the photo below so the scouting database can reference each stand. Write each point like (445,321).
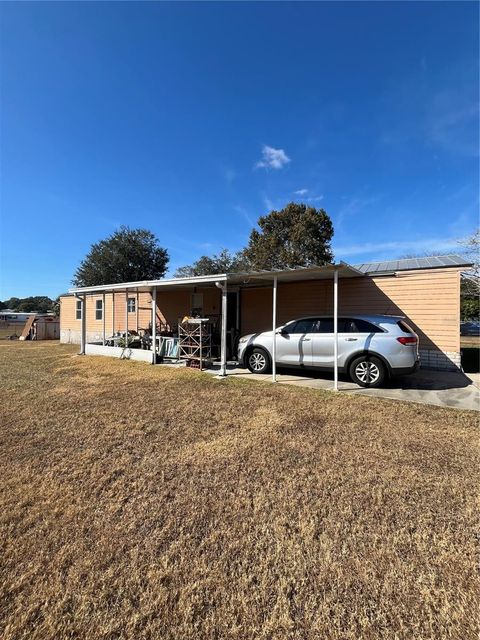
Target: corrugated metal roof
(409,264)
(296,274)
(286,275)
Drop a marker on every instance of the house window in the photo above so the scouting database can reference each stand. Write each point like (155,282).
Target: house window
(197,304)
(99,310)
(131,305)
(78,312)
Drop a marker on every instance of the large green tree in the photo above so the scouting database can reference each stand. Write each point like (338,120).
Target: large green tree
(470,284)
(128,255)
(296,236)
(469,247)
(41,304)
(223,262)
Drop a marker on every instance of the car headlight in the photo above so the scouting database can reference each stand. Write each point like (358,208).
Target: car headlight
(242,340)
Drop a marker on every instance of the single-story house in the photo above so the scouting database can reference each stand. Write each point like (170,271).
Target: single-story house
(424,290)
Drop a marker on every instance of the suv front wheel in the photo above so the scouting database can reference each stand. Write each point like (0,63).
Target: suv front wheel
(368,371)
(258,361)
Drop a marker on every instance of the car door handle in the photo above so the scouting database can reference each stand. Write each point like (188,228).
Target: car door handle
(306,339)
(350,339)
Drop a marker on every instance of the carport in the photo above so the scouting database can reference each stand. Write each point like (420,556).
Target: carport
(223,282)
(328,272)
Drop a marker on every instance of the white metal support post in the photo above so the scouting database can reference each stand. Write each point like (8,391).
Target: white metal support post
(136,309)
(223,340)
(335,330)
(83,330)
(103,317)
(113,313)
(154,325)
(274,330)
(126,318)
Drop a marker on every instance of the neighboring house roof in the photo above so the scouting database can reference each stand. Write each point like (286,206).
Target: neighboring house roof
(7,312)
(410,264)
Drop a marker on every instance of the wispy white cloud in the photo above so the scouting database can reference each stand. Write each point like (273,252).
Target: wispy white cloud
(451,125)
(446,119)
(110,222)
(397,247)
(354,205)
(272,158)
(269,204)
(303,194)
(245,214)
(229,175)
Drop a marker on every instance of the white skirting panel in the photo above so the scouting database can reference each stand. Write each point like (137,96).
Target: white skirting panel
(143,355)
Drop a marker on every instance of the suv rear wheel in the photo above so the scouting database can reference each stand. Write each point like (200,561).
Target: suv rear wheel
(368,371)
(258,361)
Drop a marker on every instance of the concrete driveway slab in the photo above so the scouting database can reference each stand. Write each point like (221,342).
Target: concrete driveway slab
(440,388)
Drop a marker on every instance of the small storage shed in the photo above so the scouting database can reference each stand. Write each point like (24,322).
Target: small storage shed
(41,327)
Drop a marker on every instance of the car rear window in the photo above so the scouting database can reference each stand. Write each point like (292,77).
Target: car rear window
(404,327)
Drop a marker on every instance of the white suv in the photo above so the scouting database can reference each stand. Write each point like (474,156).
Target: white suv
(370,347)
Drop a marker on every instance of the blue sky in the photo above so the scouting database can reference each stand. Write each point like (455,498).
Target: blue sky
(194,119)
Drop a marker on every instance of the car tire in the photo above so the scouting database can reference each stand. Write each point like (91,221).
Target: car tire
(368,371)
(258,361)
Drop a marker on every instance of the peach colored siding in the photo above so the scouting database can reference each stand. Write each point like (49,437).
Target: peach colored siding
(429,299)
(174,305)
(171,306)
(68,313)
(144,302)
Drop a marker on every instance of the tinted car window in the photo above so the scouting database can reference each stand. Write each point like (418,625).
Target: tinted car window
(404,327)
(326,325)
(355,325)
(302,326)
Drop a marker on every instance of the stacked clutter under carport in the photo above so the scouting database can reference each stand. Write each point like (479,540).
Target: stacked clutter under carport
(195,342)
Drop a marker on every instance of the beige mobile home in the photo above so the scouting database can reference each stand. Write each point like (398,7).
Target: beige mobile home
(425,290)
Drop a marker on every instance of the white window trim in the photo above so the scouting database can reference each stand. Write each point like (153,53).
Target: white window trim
(98,309)
(132,305)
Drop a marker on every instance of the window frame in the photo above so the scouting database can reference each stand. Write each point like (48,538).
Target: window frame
(99,309)
(78,310)
(131,305)
(197,309)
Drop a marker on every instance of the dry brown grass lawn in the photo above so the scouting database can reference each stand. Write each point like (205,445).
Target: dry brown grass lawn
(140,502)
(7,330)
